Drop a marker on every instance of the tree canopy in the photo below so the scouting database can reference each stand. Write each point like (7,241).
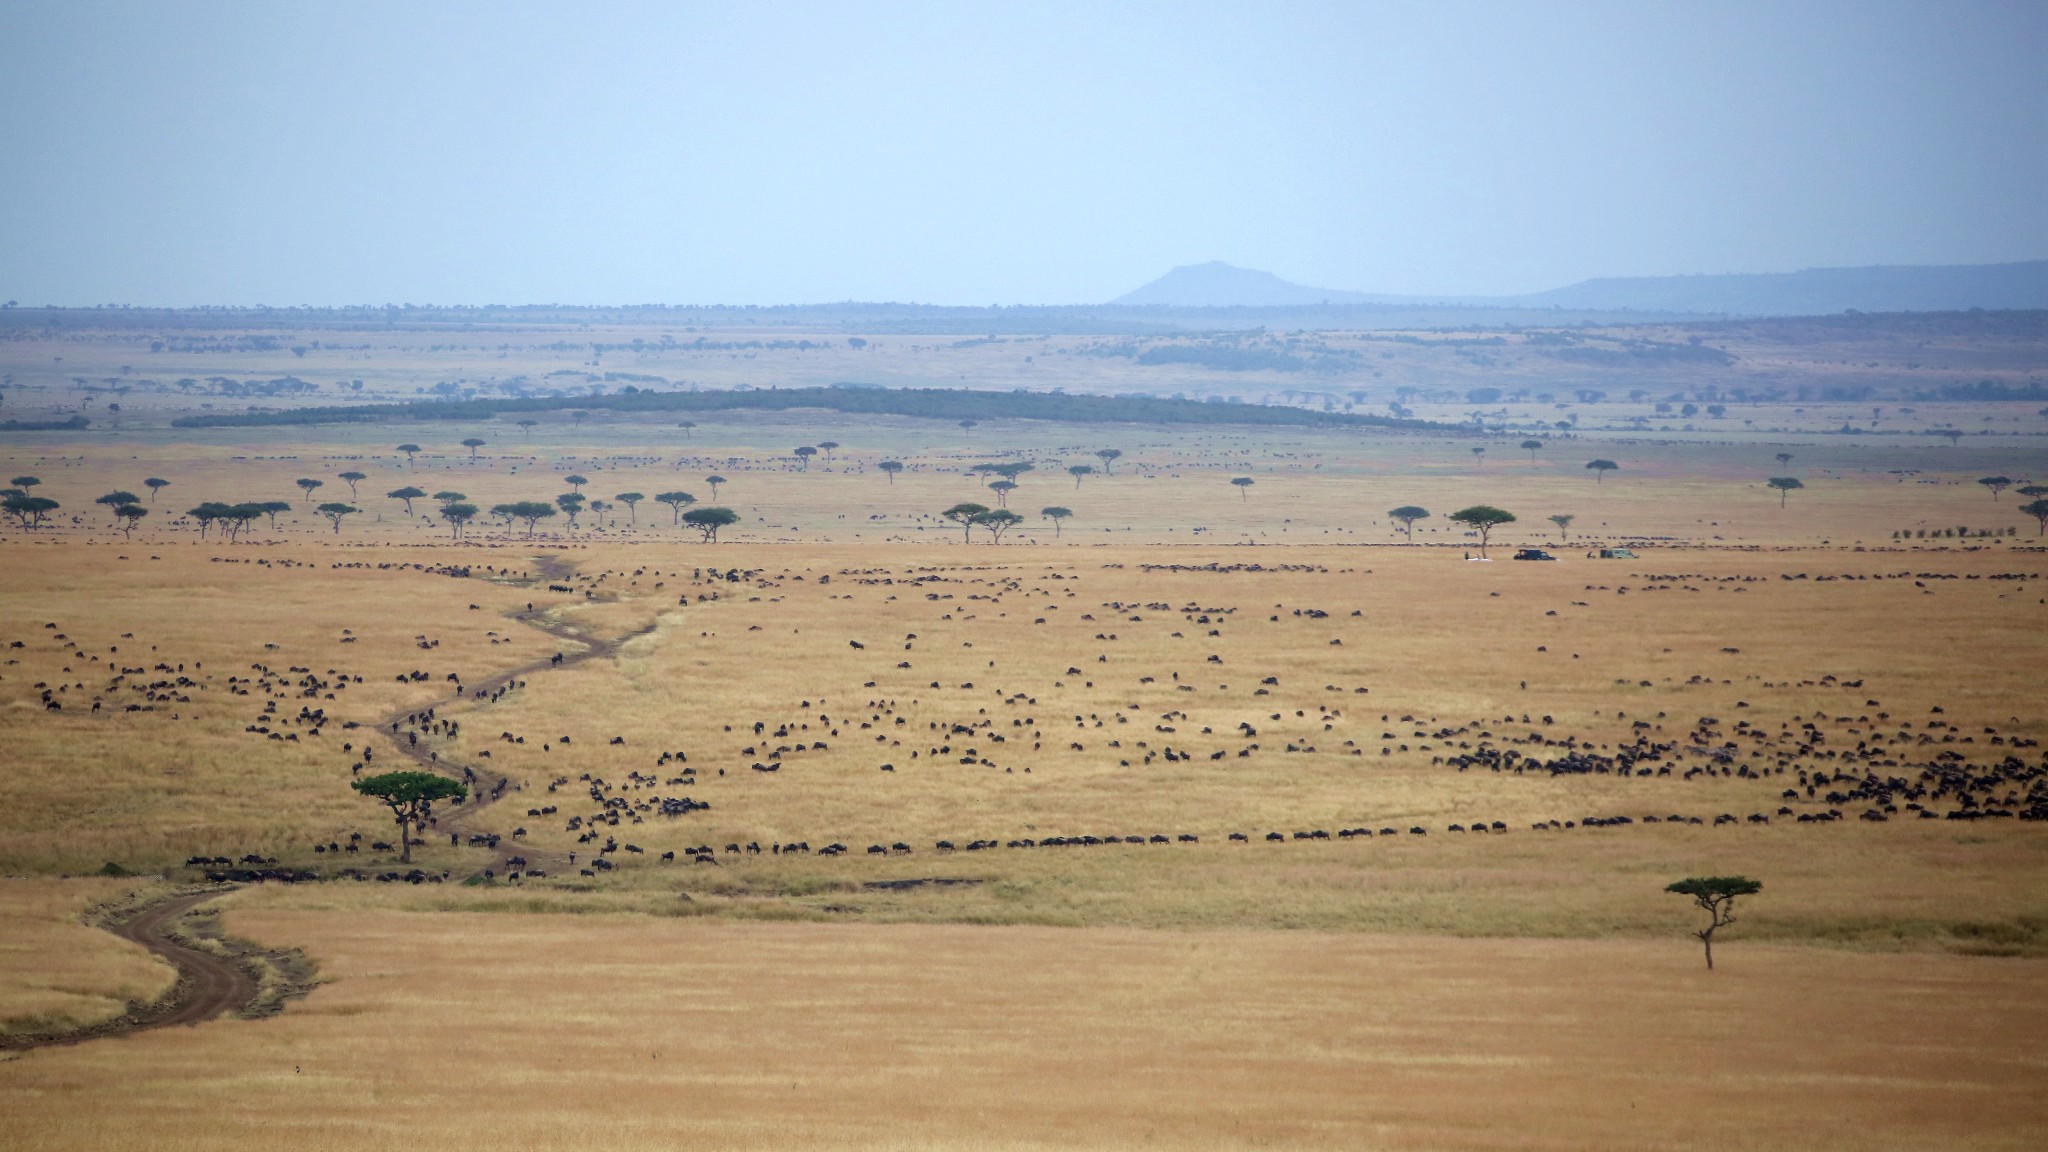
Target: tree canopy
(1482,518)
(709,520)
(411,797)
(1406,515)
(1785,486)
(1601,468)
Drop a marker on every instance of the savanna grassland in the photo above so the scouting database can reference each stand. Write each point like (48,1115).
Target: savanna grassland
(1206,815)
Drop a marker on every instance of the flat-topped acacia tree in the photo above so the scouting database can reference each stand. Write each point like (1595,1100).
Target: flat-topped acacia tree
(1563,520)
(155,484)
(473,443)
(1997,484)
(1406,515)
(1057,514)
(1244,487)
(676,502)
(709,520)
(963,514)
(997,521)
(1482,518)
(1078,472)
(334,511)
(890,468)
(458,515)
(1784,486)
(1108,456)
(411,797)
(531,511)
(129,514)
(2038,509)
(1716,896)
(352,479)
(1532,447)
(406,496)
(1601,468)
(631,500)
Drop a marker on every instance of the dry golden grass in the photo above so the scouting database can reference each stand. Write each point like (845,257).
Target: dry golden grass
(565,1033)
(55,971)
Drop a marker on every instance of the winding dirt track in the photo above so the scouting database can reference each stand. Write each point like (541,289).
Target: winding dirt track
(207,986)
(460,819)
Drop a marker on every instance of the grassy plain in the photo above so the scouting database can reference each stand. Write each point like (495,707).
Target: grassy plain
(1527,988)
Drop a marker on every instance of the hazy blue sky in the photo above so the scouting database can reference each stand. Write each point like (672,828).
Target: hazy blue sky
(289,153)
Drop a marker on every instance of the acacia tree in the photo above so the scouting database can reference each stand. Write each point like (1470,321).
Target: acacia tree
(1564,523)
(1715,895)
(130,513)
(571,504)
(271,508)
(576,483)
(1601,468)
(531,511)
(1785,486)
(410,450)
(828,446)
(406,496)
(1002,489)
(473,443)
(998,521)
(115,501)
(529,426)
(308,486)
(29,511)
(458,515)
(1482,518)
(709,520)
(1057,514)
(411,797)
(632,501)
(334,511)
(963,515)
(890,468)
(1997,484)
(1108,456)
(1244,487)
(1479,455)
(26,482)
(352,479)
(2039,511)
(675,502)
(153,484)
(1407,515)
(1784,458)
(1079,471)
(714,481)
(448,496)
(206,514)
(1531,447)
(803,457)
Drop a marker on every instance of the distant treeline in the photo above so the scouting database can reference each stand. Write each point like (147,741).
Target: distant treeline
(926,403)
(72,425)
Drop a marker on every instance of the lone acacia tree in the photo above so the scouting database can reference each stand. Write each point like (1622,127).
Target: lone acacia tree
(1057,514)
(334,511)
(1078,471)
(1601,468)
(963,515)
(1406,515)
(352,479)
(1482,518)
(410,450)
(1002,489)
(1716,896)
(631,500)
(1244,487)
(529,426)
(714,481)
(576,483)
(1784,458)
(675,502)
(890,468)
(1531,447)
(473,443)
(2039,511)
(410,796)
(827,446)
(308,486)
(709,520)
(803,457)
(1785,486)
(1563,520)
(406,496)
(1997,484)
(153,484)
(1108,456)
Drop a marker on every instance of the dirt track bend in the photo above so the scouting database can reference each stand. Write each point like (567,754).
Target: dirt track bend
(460,820)
(208,985)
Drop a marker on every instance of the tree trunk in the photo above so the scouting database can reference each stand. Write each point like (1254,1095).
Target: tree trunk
(404,843)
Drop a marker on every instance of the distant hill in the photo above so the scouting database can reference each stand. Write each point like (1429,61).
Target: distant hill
(1811,292)
(1220,285)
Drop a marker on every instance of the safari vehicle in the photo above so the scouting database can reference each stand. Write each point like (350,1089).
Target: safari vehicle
(1613,554)
(1534,554)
